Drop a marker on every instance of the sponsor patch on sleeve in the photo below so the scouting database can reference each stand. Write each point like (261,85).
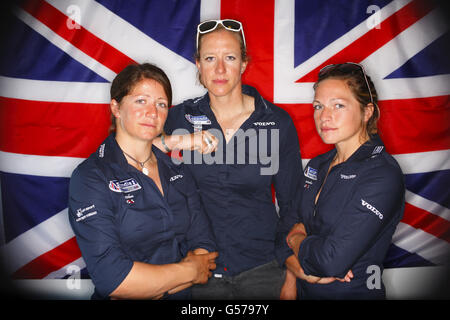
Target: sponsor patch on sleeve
(83,213)
(377,150)
(370,207)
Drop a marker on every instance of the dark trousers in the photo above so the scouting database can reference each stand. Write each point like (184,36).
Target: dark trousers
(260,283)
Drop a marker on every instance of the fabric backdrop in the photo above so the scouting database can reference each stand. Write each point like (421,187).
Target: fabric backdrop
(59,57)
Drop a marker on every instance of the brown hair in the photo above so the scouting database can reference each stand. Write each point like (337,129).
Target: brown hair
(355,80)
(126,79)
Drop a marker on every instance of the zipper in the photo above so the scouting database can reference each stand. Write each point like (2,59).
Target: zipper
(321,190)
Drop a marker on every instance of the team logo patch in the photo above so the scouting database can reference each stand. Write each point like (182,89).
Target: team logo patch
(198,121)
(311,173)
(125,186)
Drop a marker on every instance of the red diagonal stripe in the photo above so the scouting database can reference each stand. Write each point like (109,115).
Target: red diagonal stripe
(81,38)
(375,38)
(50,261)
(428,222)
(52,128)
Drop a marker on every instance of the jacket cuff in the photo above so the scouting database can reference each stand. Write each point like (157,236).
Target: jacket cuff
(282,252)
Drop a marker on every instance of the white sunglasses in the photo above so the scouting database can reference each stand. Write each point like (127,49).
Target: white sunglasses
(210,25)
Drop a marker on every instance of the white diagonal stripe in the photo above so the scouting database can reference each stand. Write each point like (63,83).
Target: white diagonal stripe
(36,241)
(132,42)
(64,45)
(428,205)
(422,243)
(345,40)
(286,90)
(406,45)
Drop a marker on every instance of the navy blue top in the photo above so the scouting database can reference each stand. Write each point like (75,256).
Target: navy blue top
(351,226)
(235,182)
(119,216)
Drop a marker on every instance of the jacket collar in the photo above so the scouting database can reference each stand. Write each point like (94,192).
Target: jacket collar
(112,153)
(372,147)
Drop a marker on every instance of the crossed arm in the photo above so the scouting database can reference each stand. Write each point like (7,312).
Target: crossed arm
(294,239)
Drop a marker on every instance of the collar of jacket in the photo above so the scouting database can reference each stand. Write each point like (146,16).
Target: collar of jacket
(260,103)
(372,147)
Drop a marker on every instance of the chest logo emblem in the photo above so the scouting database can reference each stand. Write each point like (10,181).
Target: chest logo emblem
(311,173)
(198,121)
(125,186)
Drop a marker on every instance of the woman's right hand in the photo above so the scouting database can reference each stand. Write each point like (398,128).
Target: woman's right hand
(204,142)
(201,265)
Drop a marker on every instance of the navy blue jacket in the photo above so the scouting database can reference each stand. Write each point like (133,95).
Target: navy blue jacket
(351,226)
(119,216)
(235,181)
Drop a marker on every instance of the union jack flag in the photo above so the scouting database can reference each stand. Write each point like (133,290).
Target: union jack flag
(59,57)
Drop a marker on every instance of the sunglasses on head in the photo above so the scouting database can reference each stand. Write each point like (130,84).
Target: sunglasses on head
(211,25)
(347,67)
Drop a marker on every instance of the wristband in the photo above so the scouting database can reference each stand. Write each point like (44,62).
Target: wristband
(164,143)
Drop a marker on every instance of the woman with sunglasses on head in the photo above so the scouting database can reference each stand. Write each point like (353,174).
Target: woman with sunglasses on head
(235,190)
(136,215)
(353,195)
